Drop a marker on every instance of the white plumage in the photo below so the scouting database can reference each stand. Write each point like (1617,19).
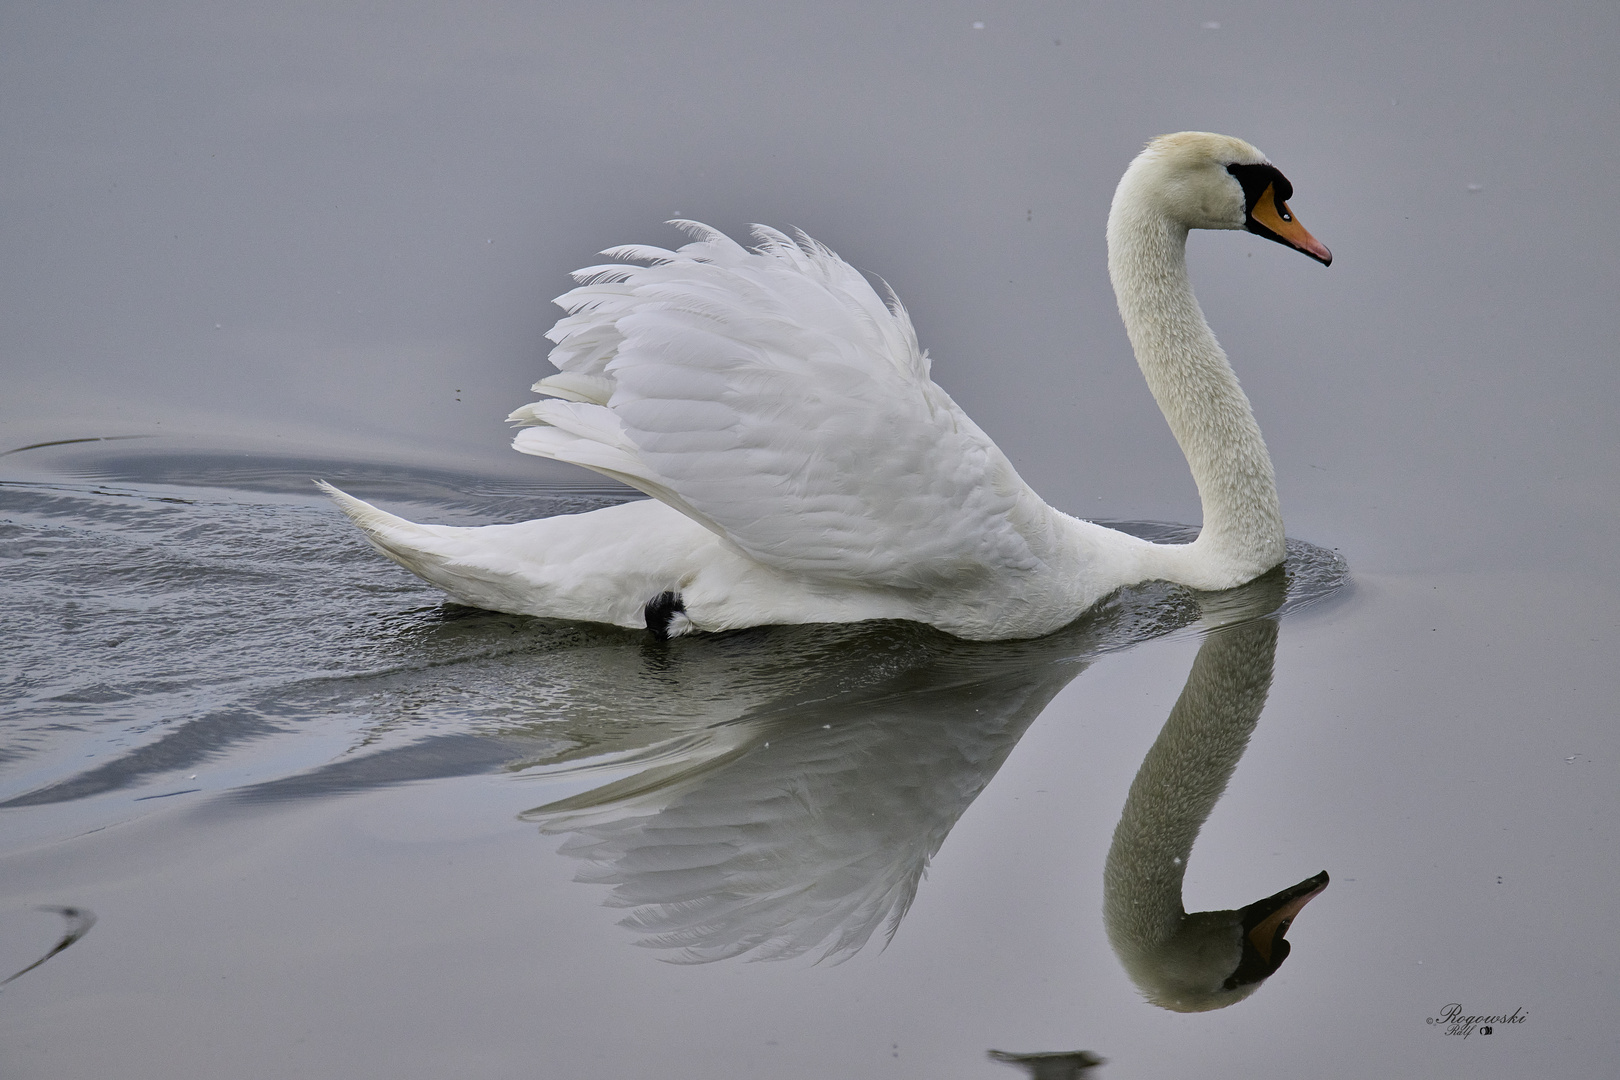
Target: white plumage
(806,468)
(772,397)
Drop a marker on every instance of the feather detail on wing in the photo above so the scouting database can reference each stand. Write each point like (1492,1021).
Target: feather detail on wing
(773,396)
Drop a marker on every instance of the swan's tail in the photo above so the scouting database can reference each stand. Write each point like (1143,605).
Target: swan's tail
(407,543)
(444,556)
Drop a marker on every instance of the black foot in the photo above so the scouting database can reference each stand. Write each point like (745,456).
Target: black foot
(661,611)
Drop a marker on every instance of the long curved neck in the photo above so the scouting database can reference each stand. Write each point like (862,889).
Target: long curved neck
(1197,392)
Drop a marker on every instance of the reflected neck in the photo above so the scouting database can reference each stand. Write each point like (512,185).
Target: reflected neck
(1181,779)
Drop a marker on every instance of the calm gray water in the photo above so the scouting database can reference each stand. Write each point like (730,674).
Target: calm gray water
(331,825)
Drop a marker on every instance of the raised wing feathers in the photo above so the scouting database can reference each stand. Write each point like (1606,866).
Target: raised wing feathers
(773,396)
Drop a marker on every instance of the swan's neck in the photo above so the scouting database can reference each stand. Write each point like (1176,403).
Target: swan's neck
(1198,393)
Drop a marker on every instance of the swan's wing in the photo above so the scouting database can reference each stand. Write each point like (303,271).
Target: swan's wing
(774,397)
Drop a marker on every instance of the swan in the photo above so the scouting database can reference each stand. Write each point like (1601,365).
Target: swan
(803,465)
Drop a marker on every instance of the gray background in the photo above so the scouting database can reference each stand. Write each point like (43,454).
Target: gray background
(304,222)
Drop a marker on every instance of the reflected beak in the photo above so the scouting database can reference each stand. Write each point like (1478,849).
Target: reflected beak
(1272,219)
(1266,921)
(1264,924)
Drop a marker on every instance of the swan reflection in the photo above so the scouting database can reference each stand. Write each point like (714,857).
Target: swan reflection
(1207,959)
(804,825)
(805,829)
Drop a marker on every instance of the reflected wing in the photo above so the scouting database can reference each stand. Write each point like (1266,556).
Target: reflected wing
(749,852)
(804,832)
(772,396)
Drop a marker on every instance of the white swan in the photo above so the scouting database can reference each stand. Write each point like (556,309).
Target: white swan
(805,468)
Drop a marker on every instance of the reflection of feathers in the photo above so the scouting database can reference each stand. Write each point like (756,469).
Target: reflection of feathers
(805,822)
(811,834)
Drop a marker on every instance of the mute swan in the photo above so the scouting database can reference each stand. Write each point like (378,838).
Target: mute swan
(805,468)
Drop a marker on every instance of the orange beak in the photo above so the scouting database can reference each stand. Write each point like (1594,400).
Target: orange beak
(1277,222)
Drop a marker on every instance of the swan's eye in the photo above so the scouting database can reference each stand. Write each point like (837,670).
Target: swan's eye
(1262,184)
(1279,199)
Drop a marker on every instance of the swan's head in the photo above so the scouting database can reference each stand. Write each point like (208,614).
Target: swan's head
(1218,958)
(1207,181)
